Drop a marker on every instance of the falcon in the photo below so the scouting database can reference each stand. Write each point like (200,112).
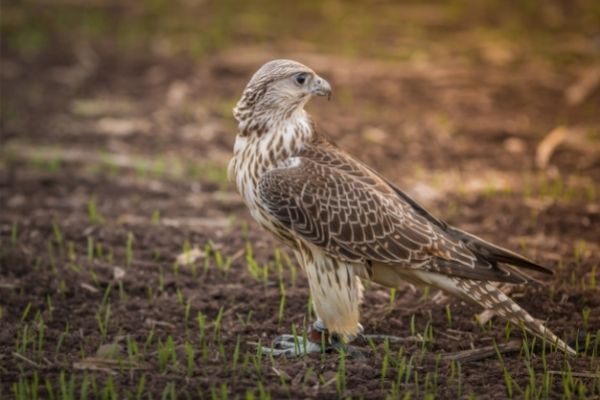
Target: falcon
(347,223)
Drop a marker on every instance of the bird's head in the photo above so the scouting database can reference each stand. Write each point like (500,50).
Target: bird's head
(275,93)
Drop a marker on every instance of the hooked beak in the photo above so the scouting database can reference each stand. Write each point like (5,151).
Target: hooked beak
(320,87)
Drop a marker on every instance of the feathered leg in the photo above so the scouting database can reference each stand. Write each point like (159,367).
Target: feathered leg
(336,293)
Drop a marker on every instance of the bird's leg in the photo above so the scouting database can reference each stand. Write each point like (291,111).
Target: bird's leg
(318,339)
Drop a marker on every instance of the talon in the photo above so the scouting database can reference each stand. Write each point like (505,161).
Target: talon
(339,345)
(317,340)
(292,346)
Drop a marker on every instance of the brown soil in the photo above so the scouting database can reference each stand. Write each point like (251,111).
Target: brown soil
(460,139)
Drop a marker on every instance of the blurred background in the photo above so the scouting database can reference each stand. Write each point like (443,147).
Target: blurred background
(150,76)
(452,96)
(556,31)
(116,128)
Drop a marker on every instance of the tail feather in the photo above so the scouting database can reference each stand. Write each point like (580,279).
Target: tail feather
(494,253)
(491,298)
(481,293)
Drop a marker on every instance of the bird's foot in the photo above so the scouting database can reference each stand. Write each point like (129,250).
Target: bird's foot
(342,347)
(291,346)
(317,340)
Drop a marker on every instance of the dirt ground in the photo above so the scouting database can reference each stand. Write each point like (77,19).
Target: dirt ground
(131,268)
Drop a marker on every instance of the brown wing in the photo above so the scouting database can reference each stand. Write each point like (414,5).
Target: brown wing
(340,206)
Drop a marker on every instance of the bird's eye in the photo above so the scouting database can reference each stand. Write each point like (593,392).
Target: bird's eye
(301,78)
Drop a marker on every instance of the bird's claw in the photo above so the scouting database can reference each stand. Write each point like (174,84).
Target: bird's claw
(298,346)
(292,346)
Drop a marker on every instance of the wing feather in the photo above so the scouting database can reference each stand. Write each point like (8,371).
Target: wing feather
(354,215)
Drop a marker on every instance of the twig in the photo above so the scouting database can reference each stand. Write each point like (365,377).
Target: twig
(414,339)
(27,360)
(483,352)
(585,374)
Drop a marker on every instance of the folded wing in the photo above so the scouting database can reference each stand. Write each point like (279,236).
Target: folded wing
(354,215)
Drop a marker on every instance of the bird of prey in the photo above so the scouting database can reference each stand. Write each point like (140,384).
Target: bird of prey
(345,222)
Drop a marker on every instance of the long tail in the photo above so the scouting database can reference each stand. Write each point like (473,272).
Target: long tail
(481,293)
(491,298)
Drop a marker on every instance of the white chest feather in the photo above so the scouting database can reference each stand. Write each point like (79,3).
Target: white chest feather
(256,155)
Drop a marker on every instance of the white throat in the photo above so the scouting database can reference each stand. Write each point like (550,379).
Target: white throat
(284,137)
